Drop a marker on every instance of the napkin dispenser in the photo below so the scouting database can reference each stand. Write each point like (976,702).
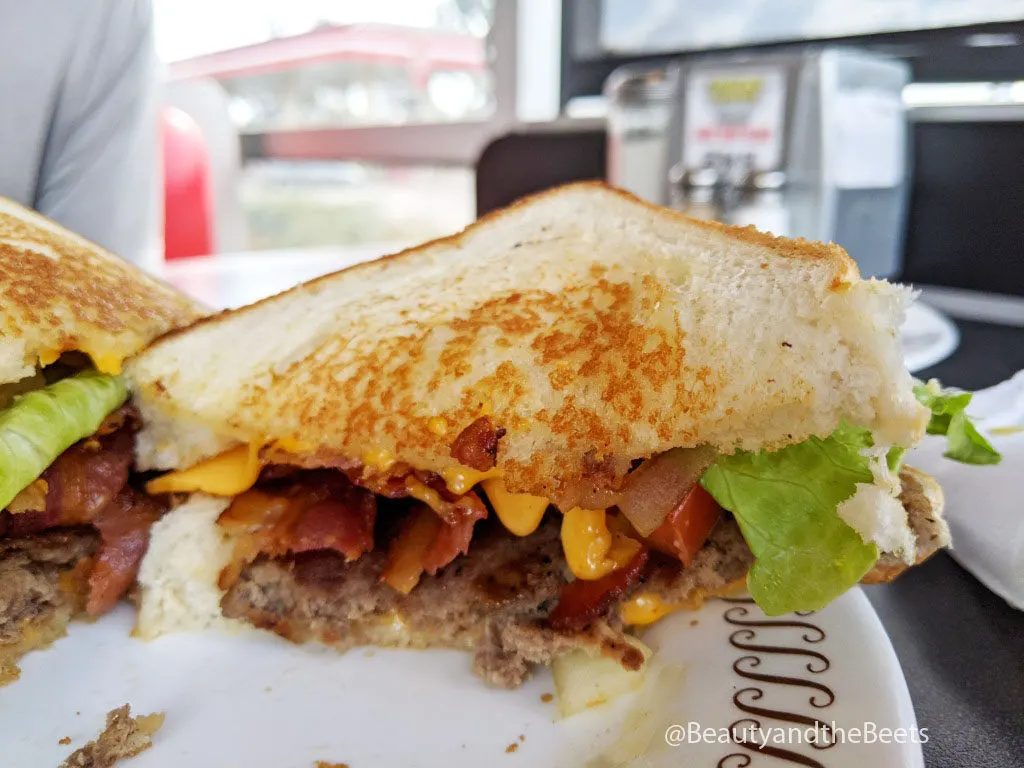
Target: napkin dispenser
(809,144)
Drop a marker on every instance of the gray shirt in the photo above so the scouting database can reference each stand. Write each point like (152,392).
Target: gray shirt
(78,109)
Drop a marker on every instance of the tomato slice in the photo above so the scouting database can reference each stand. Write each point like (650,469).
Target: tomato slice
(583,600)
(687,527)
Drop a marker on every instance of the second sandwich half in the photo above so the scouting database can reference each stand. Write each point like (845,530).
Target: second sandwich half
(578,415)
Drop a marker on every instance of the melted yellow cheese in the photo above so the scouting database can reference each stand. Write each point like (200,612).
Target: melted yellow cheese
(378,458)
(109,364)
(521,513)
(49,356)
(292,445)
(422,492)
(645,608)
(591,549)
(31,498)
(227,474)
(438,425)
(460,479)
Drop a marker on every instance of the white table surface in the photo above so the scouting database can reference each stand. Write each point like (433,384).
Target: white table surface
(231,280)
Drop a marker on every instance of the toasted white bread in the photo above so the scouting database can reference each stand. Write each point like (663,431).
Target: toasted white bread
(61,293)
(583,321)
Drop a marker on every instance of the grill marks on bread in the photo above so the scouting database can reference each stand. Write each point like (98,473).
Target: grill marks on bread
(581,320)
(59,292)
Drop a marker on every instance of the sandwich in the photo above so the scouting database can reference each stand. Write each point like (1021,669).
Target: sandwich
(578,415)
(72,528)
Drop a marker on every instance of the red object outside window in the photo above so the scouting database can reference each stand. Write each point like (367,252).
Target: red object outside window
(188,196)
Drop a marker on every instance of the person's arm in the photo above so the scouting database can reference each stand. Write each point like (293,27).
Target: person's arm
(101,171)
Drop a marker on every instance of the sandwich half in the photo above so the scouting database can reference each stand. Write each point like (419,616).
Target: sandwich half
(72,530)
(574,417)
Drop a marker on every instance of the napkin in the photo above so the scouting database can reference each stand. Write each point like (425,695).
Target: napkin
(985,504)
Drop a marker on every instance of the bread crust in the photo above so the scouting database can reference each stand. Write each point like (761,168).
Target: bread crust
(60,292)
(583,321)
(845,269)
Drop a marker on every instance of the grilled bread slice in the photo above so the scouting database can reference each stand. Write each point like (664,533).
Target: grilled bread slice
(61,293)
(585,323)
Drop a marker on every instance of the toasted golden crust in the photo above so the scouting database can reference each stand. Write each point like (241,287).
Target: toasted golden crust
(844,269)
(584,322)
(59,292)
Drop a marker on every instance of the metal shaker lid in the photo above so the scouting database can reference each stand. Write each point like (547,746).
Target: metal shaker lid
(690,178)
(634,85)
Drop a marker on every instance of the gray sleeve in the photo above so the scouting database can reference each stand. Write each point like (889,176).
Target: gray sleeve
(101,171)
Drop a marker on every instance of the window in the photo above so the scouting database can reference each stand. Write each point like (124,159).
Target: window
(360,121)
(304,204)
(654,26)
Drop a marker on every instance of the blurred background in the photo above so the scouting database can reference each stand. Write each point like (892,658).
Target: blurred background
(375,125)
(276,71)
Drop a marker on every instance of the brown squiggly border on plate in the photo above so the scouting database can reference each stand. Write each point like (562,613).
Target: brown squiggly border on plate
(749,637)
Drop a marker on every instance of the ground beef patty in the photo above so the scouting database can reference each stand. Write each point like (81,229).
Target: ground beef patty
(494,600)
(43,585)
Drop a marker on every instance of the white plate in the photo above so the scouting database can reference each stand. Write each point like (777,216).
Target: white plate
(255,701)
(989,536)
(927,337)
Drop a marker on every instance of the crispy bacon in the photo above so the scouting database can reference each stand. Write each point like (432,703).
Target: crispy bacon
(583,601)
(124,527)
(477,445)
(344,526)
(126,414)
(87,477)
(426,543)
(88,485)
(390,483)
(82,482)
(321,510)
(409,548)
(27,523)
(453,540)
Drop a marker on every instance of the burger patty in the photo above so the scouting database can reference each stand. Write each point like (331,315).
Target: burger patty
(493,600)
(43,585)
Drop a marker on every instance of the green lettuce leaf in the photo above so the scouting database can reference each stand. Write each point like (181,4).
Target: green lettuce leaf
(949,417)
(894,458)
(785,503)
(39,426)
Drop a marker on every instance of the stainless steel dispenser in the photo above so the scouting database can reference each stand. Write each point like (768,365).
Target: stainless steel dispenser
(807,144)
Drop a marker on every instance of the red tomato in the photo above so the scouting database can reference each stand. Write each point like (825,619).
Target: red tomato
(688,526)
(584,600)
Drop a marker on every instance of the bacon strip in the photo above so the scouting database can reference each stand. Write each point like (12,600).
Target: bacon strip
(453,539)
(477,445)
(426,543)
(583,601)
(346,527)
(124,537)
(321,510)
(86,478)
(88,485)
